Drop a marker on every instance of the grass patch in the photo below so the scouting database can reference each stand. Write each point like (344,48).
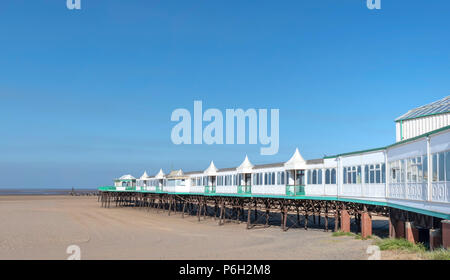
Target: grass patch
(438,254)
(356,235)
(400,244)
(342,233)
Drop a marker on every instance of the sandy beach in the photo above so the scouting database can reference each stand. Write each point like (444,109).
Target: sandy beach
(42,227)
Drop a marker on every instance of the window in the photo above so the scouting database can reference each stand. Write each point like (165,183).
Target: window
(372,174)
(441,166)
(319,177)
(358,175)
(353,177)
(383,173)
(345,175)
(366,174)
(327,176)
(377,174)
(309,176)
(447,166)
(435,169)
(333,176)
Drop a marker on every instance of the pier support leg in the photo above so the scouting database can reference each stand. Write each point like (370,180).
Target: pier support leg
(170,206)
(222,206)
(412,233)
(306,220)
(249,215)
(392,223)
(445,233)
(184,207)
(435,238)
(400,229)
(345,221)
(336,219)
(256,210)
(366,224)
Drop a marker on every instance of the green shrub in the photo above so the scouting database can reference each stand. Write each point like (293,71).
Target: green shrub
(400,244)
(438,254)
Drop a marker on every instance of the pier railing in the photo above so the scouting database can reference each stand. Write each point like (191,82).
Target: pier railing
(294,190)
(210,189)
(244,190)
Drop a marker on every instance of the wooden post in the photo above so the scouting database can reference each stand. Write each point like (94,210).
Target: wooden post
(249,215)
(306,219)
(221,212)
(336,219)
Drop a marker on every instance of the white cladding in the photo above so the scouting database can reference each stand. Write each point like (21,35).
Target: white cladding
(407,129)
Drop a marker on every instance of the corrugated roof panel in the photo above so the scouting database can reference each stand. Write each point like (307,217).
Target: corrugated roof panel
(437,107)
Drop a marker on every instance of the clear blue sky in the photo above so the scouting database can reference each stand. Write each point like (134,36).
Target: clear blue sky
(86,96)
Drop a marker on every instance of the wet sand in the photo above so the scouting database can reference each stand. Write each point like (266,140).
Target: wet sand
(42,227)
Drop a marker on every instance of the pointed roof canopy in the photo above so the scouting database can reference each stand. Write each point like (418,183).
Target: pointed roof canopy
(160,174)
(127,177)
(245,167)
(211,170)
(296,161)
(145,176)
(176,174)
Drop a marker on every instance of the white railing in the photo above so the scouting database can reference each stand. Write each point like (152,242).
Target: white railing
(197,189)
(314,190)
(374,190)
(226,189)
(269,189)
(169,188)
(410,191)
(440,192)
(150,188)
(351,190)
(331,189)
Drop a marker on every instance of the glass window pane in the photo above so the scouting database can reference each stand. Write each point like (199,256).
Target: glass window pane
(327,176)
(447,166)
(345,175)
(434,164)
(372,176)
(366,174)
(358,175)
(425,168)
(378,176)
(441,167)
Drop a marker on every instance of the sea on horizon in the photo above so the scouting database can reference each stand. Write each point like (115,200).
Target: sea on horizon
(45,191)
